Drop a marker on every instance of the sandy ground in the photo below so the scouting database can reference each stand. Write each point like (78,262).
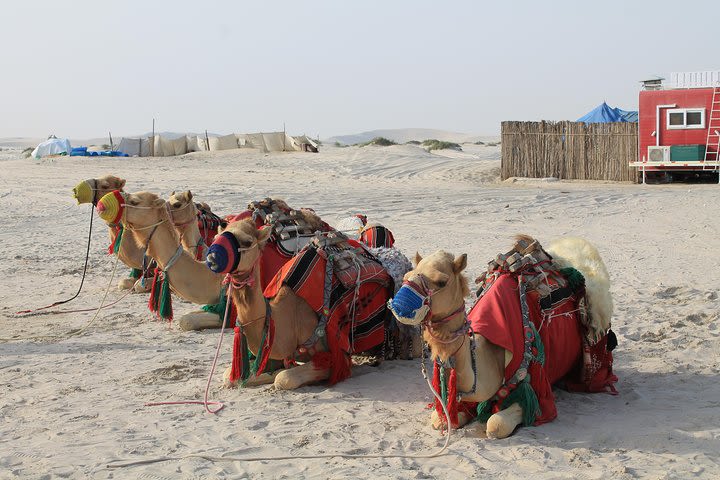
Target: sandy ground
(68,407)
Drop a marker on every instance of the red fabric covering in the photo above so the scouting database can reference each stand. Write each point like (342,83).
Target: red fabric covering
(498,318)
(272,259)
(305,274)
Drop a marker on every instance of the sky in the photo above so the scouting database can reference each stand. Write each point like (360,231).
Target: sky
(83,68)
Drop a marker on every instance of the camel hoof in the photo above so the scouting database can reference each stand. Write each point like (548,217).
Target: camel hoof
(227,383)
(437,422)
(497,429)
(126,283)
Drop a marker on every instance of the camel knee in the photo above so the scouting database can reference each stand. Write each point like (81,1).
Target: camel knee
(503,423)
(138,286)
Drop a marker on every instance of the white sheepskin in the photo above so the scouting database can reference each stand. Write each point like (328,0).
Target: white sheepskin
(583,256)
(395,262)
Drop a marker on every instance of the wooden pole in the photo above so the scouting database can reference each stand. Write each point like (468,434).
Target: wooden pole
(152,141)
(207,141)
(111,141)
(284,136)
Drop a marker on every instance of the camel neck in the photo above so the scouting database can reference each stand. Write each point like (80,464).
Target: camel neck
(189,278)
(251,309)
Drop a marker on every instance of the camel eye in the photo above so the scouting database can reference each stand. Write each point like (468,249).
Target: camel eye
(442,283)
(177,205)
(132,202)
(245,243)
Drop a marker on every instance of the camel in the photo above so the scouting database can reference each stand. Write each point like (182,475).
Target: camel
(433,295)
(148,223)
(238,251)
(188,278)
(92,190)
(186,217)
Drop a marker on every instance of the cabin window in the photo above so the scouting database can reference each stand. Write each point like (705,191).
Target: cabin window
(678,118)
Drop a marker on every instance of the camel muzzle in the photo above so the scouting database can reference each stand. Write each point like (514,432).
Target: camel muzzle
(83,192)
(224,254)
(110,207)
(409,305)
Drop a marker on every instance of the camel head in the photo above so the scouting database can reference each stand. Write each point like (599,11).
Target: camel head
(137,211)
(434,289)
(238,249)
(92,189)
(182,208)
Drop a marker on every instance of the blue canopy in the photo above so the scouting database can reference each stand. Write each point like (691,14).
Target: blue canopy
(603,113)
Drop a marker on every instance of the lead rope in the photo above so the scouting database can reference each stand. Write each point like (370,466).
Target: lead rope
(212,458)
(82,280)
(73,333)
(212,371)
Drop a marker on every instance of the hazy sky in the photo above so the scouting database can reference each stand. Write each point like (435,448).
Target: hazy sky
(83,68)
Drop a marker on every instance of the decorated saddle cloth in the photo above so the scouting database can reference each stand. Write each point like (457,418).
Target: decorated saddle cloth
(348,289)
(291,233)
(556,312)
(208,224)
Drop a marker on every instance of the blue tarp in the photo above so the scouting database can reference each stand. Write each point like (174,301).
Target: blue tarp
(603,113)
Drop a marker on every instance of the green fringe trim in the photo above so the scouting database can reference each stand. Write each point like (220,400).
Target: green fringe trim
(538,344)
(135,273)
(245,373)
(443,386)
(575,279)
(165,309)
(523,395)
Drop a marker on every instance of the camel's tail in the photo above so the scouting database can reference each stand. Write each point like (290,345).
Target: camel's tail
(584,257)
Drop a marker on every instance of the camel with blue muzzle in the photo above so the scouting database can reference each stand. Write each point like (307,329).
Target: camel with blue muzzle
(541,319)
(324,305)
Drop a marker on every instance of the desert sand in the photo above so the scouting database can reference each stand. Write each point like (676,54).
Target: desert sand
(71,406)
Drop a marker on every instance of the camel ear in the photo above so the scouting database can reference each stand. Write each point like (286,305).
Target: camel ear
(121,184)
(173,193)
(188,194)
(417,259)
(263,235)
(460,263)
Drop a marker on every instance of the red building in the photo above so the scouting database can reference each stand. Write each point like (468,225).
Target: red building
(679,124)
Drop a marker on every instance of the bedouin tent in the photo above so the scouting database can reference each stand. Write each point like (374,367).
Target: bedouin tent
(52,146)
(604,113)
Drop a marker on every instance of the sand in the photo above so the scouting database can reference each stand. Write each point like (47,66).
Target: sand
(70,406)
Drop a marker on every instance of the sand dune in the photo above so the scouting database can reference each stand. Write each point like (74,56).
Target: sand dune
(69,407)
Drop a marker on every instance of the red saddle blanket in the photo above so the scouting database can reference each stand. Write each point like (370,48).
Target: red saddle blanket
(497,316)
(353,300)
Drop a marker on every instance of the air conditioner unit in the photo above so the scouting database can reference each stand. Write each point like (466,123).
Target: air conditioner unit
(659,153)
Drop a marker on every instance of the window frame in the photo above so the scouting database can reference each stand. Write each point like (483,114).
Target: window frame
(684,112)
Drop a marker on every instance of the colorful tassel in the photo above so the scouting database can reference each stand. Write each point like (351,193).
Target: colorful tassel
(117,241)
(135,273)
(451,399)
(236,367)
(165,311)
(575,279)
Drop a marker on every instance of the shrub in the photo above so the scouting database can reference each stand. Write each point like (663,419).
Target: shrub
(433,144)
(412,142)
(380,141)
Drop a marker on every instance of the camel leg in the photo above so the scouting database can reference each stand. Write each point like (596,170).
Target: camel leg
(503,423)
(296,377)
(438,423)
(199,320)
(262,379)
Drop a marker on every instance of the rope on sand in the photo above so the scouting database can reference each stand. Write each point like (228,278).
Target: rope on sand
(214,458)
(73,333)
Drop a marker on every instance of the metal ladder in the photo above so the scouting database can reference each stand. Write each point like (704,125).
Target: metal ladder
(713,135)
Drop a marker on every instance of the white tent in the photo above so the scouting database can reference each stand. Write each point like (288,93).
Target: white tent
(135,147)
(52,146)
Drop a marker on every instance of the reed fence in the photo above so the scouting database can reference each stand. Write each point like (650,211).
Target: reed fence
(569,150)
